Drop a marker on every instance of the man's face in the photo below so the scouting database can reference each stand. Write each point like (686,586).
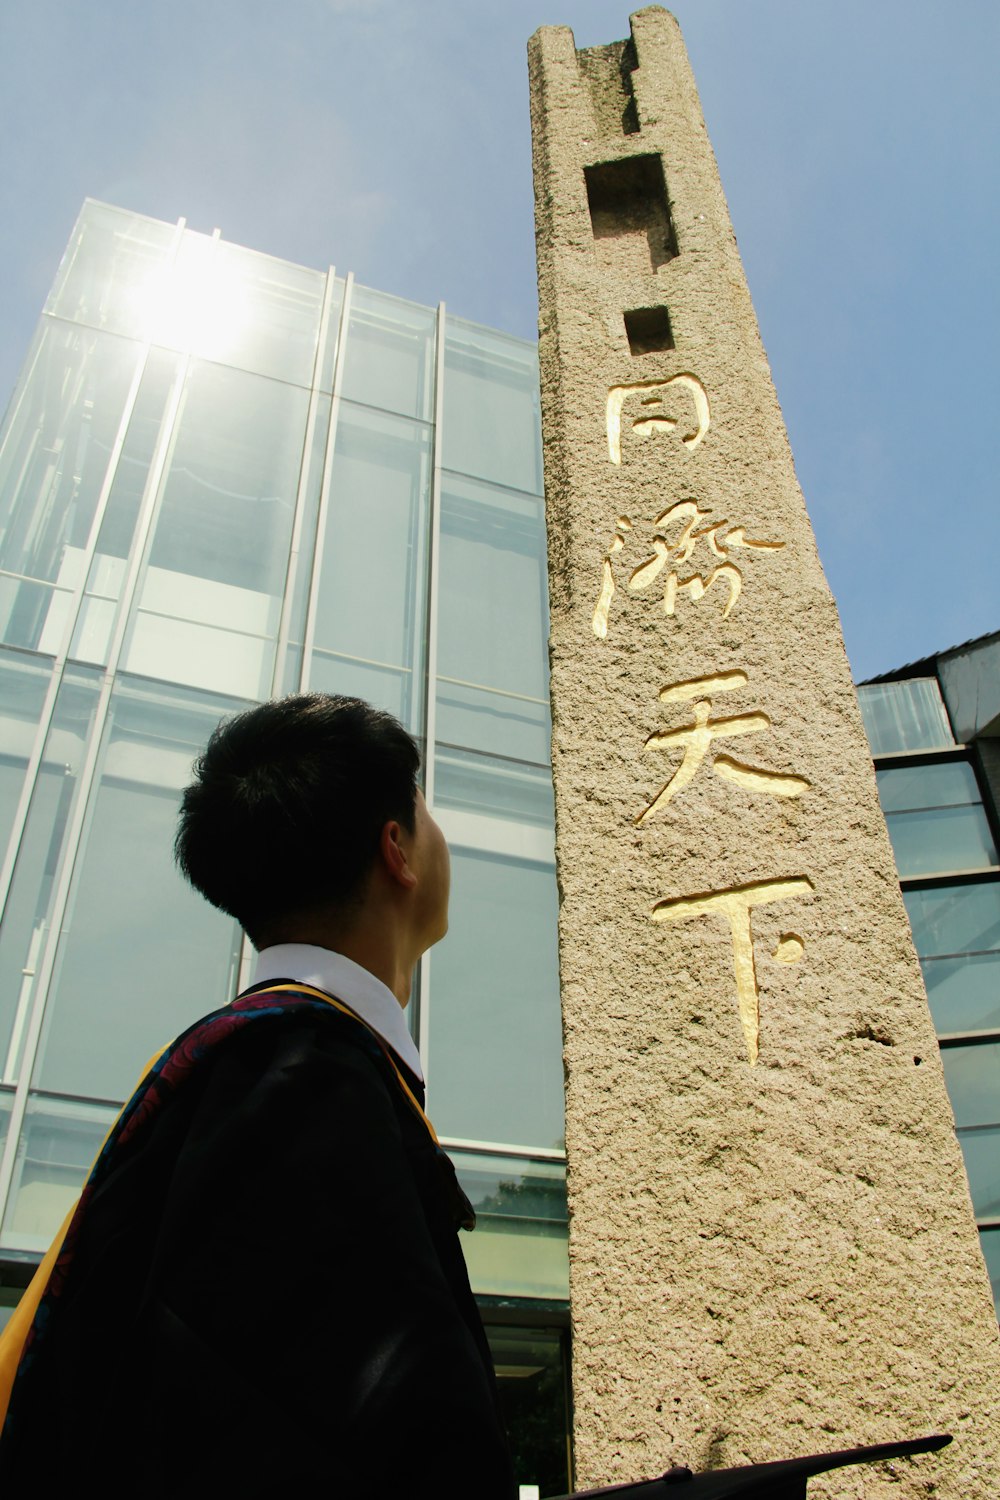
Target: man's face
(432,865)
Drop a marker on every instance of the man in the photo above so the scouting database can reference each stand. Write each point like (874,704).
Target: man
(262,1292)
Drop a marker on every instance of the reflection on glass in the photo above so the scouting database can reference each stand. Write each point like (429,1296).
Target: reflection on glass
(951,919)
(371,596)
(907,715)
(59,1142)
(210,599)
(492,690)
(300,578)
(964,992)
(939,839)
(111,260)
(519,1245)
(948,783)
(142,955)
(23,683)
(95,623)
(495,1029)
(491,406)
(935,818)
(981,1149)
(27,916)
(972,1073)
(492,786)
(53,462)
(237,307)
(389,354)
(533,1382)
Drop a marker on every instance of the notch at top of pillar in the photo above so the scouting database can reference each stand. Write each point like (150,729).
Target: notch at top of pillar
(610,71)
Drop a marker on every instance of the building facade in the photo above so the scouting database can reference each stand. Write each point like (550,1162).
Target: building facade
(224,478)
(934,729)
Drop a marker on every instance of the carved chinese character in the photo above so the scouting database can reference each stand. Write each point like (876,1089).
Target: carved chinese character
(736,905)
(673,556)
(654,416)
(718,541)
(696,739)
(600,620)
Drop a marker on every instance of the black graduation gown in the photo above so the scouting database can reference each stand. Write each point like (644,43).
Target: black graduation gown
(269,1297)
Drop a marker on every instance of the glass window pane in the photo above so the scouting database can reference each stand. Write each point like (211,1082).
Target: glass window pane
(389,354)
(210,600)
(492,427)
(519,1248)
(297,591)
(371,594)
(952,919)
(112,261)
(907,715)
(533,1384)
(99,607)
(53,463)
(238,307)
(964,993)
(949,783)
(941,839)
(59,1141)
(26,917)
(981,1149)
(135,932)
(492,689)
(989,1239)
(23,684)
(495,1063)
(972,1073)
(491,787)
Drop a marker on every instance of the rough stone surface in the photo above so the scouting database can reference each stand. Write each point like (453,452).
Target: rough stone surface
(768,1257)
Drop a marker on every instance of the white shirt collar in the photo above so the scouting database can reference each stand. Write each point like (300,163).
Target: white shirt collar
(341,977)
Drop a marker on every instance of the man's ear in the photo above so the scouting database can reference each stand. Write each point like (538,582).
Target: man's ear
(392,848)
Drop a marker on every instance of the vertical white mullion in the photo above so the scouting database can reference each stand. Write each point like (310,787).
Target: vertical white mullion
(322,514)
(305,475)
(431,655)
(83,802)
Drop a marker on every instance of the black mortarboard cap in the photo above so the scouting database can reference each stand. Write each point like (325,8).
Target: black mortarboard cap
(785,1480)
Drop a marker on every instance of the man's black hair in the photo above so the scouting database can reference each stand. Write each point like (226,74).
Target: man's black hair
(287,805)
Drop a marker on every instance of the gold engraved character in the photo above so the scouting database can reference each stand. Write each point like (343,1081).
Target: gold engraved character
(652,421)
(736,905)
(696,739)
(679,553)
(599,623)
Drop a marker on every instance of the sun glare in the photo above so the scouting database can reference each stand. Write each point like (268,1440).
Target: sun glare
(199,305)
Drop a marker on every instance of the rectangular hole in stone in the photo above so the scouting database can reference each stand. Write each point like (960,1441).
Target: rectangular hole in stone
(648,330)
(628,202)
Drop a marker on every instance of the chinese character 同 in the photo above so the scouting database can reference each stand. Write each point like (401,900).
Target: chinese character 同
(656,420)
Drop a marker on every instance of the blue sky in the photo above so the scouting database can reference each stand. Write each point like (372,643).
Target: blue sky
(858,146)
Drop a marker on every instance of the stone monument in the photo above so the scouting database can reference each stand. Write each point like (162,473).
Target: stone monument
(772,1248)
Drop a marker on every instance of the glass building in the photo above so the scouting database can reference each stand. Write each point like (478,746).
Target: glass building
(223,478)
(934,729)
